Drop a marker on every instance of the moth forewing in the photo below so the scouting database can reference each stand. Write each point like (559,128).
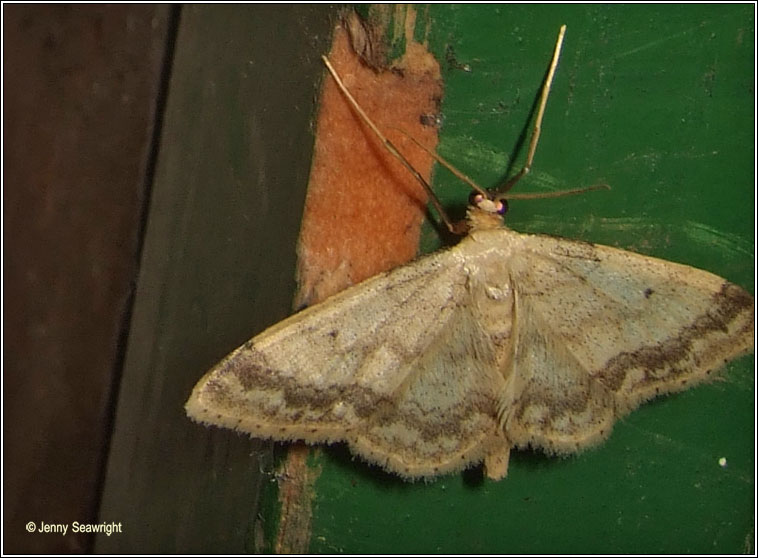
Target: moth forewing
(602,330)
(377,366)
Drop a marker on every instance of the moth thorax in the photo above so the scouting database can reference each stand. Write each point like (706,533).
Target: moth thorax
(481,218)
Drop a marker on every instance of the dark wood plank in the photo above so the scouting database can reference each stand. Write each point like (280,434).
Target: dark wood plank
(237,134)
(80,85)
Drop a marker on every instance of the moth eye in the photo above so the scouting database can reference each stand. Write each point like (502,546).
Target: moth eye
(475,198)
(502,207)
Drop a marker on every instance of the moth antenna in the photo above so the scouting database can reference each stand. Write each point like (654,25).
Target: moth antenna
(389,146)
(558,194)
(540,113)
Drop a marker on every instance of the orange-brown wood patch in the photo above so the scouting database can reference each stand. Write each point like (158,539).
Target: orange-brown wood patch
(363,209)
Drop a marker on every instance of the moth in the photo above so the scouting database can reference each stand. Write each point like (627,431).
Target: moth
(506,340)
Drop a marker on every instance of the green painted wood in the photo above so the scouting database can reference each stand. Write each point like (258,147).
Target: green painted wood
(656,101)
(218,265)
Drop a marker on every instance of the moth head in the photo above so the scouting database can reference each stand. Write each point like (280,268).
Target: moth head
(485,212)
(487,204)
